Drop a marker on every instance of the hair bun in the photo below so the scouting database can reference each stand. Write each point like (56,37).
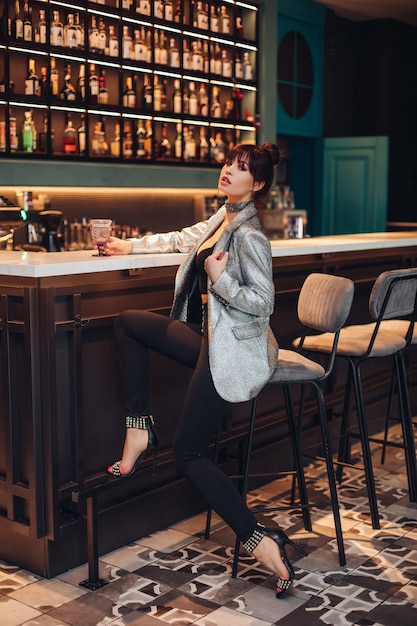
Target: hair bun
(273,152)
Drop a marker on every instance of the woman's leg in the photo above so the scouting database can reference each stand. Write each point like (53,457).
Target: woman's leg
(136,332)
(201,414)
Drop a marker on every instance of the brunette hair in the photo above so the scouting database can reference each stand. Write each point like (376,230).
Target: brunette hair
(261,161)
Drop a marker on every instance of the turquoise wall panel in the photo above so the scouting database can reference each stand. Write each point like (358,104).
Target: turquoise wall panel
(306,19)
(355,171)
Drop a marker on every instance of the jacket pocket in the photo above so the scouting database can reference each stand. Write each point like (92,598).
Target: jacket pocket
(247,331)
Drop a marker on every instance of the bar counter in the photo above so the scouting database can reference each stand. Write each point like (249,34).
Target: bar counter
(37,265)
(61,402)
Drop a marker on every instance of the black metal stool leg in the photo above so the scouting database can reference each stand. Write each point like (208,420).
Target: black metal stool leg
(407,427)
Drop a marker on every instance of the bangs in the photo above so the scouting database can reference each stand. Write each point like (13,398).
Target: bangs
(241,153)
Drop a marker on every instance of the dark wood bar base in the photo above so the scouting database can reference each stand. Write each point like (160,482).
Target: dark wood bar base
(62,414)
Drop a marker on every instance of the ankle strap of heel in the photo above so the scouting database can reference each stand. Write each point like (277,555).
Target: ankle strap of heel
(141,423)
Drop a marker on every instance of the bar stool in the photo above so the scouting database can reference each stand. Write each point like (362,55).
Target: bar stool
(393,296)
(323,305)
(399,327)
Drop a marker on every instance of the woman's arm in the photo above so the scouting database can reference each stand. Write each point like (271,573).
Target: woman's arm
(182,240)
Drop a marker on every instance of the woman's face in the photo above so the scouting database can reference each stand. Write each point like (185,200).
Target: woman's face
(236,181)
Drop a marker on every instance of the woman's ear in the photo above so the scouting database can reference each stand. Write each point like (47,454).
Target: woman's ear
(258,185)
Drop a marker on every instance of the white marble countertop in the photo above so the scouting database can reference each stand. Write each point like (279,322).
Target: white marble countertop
(38,265)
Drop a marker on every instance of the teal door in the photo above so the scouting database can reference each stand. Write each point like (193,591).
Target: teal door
(355,185)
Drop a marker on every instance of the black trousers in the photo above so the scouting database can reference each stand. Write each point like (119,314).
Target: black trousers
(136,333)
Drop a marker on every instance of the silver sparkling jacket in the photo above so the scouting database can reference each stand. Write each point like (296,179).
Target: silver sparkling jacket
(242,348)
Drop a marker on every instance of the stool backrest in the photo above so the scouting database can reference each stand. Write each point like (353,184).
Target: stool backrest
(325,301)
(394,294)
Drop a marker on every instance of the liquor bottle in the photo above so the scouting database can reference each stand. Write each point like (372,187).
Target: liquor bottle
(113,43)
(219,149)
(93,36)
(190,146)
(45,87)
(69,139)
(103,92)
(202,17)
(157,93)
(146,93)
(177,12)
(237,103)
(54,78)
(185,102)
(193,106)
(13,138)
(32,86)
(70,32)
(163,50)
(148,46)
(214,19)
(82,136)
(115,142)
(68,91)
(102,37)
(127,142)
(164,96)
(158,9)
(239,31)
(93,84)
(99,145)
(203,148)
(186,58)
(28,133)
(165,147)
(247,67)
(43,134)
(178,142)
(193,14)
(174,55)
(148,139)
(238,67)
(17,24)
(217,60)
(27,23)
(225,23)
(168,11)
(139,45)
(227,66)
(206,62)
(143,7)
(156,48)
(79,32)
(140,140)
(177,97)
(56,30)
(42,26)
(216,109)
(126,43)
(129,94)
(203,103)
(196,57)
(81,82)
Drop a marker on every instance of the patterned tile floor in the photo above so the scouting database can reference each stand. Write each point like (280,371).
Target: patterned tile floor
(176,577)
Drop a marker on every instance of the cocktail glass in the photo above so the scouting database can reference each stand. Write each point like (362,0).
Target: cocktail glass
(100,230)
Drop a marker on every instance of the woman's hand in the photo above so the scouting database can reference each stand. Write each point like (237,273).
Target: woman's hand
(118,246)
(215,264)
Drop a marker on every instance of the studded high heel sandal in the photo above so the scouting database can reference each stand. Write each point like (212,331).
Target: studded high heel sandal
(281,539)
(145,422)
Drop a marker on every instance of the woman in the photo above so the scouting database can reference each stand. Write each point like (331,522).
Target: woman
(219,326)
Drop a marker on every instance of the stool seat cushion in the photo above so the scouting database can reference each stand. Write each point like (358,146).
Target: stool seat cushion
(293,367)
(399,327)
(354,341)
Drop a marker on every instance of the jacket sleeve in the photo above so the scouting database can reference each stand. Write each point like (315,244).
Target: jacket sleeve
(175,241)
(247,283)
